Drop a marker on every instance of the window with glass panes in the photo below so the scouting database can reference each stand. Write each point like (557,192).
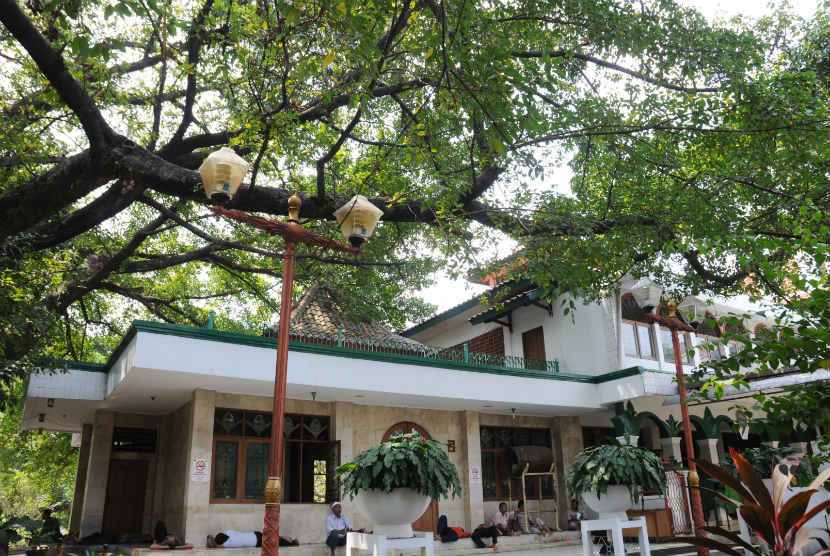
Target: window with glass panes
(711,353)
(638,339)
(241,442)
(497,458)
(685,340)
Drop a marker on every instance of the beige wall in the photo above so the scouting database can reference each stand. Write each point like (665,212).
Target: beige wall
(188,432)
(172,476)
(80,479)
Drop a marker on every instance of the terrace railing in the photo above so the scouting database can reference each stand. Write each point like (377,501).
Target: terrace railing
(461,355)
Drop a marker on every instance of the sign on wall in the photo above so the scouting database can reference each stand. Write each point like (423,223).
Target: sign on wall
(475,475)
(200,471)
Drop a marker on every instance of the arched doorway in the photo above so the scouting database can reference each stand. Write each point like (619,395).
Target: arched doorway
(429,520)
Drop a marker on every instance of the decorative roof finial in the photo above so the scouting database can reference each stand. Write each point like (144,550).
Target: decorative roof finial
(671,306)
(294,204)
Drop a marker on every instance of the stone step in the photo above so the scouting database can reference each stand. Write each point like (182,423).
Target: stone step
(458,548)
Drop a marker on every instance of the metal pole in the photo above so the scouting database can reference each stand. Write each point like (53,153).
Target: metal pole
(697,505)
(273,487)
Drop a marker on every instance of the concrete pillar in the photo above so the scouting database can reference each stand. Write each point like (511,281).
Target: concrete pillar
(671,448)
(472,474)
(197,493)
(80,478)
(97,473)
(566,436)
(709,450)
(344,429)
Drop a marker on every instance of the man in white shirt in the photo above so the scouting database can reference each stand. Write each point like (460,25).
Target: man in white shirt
(337,525)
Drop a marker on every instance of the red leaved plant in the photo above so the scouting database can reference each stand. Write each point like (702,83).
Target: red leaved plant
(779,524)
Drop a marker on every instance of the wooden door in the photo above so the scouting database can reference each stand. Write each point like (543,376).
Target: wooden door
(533,344)
(126,488)
(429,520)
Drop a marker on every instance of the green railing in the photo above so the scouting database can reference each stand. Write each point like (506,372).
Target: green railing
(461,355)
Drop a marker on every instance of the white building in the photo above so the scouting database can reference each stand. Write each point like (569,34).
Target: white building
(179,417)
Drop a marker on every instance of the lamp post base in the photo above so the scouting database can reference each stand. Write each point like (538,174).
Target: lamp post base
(271,531)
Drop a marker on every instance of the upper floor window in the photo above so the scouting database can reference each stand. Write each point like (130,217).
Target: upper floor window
(711,353)
(638,340)
(685,340)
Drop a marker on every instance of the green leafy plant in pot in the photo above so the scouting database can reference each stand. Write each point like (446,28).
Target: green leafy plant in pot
(610,477)
(394,482)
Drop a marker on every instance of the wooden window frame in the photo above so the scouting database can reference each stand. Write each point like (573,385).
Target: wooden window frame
(705,339)
(301,441)
(502,496)
(241,451)
(637,340)
(241,458)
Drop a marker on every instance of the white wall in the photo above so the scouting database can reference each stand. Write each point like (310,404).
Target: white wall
(584,342)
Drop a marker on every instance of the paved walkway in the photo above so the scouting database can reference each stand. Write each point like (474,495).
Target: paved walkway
(565,544)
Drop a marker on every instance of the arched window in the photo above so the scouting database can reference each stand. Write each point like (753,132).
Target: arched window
(406,427)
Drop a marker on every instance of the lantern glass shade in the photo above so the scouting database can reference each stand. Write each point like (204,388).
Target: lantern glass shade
(222,173)
(357,219)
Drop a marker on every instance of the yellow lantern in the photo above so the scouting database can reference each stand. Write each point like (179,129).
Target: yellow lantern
(222,173)
(357,219)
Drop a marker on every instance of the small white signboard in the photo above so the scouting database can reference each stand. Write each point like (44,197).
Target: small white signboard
(200,470)
(475,475)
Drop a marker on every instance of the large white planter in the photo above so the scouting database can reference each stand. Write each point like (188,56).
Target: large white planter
(392,513)
(631,440)
(612,504)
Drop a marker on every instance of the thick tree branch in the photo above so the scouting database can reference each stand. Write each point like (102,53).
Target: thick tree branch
(51,65)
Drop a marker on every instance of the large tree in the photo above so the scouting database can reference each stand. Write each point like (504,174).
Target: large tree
(699,152)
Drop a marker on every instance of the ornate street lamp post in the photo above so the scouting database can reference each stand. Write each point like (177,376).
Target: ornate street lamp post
(357,219)
(674,324)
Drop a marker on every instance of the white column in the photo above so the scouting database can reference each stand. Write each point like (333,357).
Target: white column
(197,492)
(471,477)
(566,437)
(95,489)
(709,450)
(344,429)
(80,478)
(671,448)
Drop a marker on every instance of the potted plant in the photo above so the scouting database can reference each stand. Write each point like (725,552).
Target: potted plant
(610,477)
(394,482)
(627,423)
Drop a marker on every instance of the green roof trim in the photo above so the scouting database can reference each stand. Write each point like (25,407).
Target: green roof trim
(68,364)
(441,317)
(334,351)
(462,307)
(490,315)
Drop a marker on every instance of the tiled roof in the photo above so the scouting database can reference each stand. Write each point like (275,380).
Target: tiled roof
(320,311)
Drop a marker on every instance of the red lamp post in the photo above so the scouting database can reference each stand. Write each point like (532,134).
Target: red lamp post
(293,233)
(673,323)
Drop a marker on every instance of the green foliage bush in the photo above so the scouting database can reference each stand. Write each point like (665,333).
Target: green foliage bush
(598,467)
(405,461)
